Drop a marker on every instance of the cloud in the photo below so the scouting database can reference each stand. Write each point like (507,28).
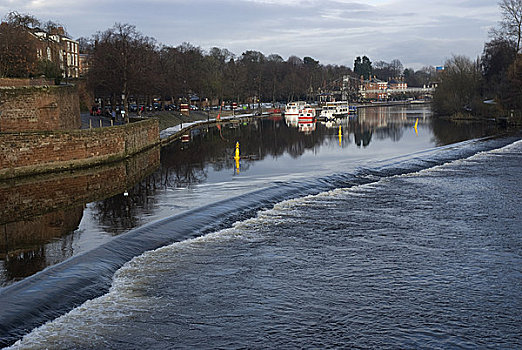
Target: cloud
(423,32)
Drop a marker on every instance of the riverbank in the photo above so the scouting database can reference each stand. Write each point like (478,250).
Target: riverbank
(173,125)
(391,103)
(513,121)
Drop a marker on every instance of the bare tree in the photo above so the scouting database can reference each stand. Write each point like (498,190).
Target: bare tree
(52,27)
(459,87)
(511,24)
(17,50)
(122,62)
(22,20)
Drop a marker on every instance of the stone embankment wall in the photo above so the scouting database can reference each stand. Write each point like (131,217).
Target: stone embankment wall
(27,153)
(32,108)
(18,82)
(40,131)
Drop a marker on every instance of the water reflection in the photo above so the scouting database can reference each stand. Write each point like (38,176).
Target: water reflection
(22,249)
(40,213)
(381,123)
(446,132)
(38,225)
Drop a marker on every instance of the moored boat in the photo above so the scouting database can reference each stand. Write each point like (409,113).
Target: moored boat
(306,115)
(293,108)
(332,110)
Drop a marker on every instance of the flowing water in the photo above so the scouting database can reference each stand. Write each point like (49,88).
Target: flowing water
(380,237)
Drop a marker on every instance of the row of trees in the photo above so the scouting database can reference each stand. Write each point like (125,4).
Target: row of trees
(493,82)
(126,63)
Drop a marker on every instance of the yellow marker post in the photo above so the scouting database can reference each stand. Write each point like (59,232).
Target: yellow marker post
(340,136)
(236,157)
(415,126)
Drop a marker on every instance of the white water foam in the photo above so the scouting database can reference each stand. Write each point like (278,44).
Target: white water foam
(88,319)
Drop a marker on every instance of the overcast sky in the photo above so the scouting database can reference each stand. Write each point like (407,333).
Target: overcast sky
(417,32)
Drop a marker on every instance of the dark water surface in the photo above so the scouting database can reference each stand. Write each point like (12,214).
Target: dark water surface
(50,218)
(361,257)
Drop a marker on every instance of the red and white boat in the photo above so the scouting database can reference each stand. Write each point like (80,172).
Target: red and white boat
(298,113)
(306,115)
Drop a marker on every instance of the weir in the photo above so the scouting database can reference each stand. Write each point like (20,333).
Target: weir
(58,289)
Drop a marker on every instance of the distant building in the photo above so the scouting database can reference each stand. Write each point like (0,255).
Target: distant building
(397,84)
(84,64)
(373,88)
(58,48)
(376,89)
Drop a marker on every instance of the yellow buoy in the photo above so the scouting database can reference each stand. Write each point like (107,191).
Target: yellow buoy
(340,136)
(236,157)
(415,126)
(237,151)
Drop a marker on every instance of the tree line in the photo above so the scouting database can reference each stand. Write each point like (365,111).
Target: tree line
(125,63)
(491,85)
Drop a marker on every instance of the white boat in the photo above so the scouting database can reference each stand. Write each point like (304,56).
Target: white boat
(332,110)
(293,108)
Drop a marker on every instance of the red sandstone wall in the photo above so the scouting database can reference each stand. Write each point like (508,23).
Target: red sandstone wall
(36,108)
(139,135)
(19,82)
(37,152)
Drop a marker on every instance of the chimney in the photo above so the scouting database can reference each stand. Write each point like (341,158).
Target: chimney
(57,31)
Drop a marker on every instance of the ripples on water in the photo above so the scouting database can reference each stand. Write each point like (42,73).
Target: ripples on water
(425,260)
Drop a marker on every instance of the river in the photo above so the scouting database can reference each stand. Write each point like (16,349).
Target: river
(365,233)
